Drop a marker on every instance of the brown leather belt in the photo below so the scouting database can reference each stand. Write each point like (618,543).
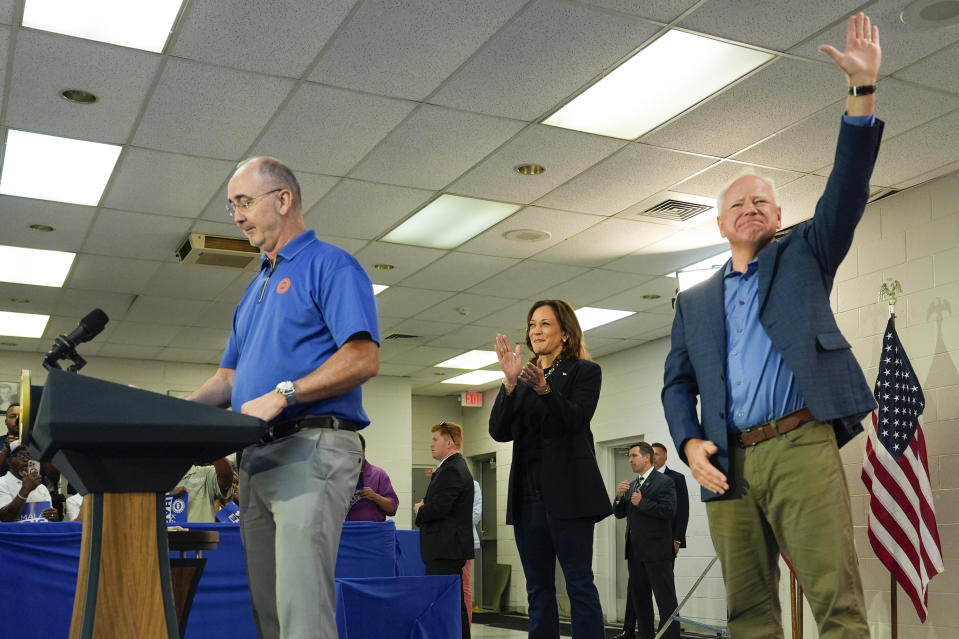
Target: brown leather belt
(781,426)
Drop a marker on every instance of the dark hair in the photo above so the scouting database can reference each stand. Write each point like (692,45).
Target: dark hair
(12,405)
(574,347)
(658,445)
(362,442)
(644,449)
(275,171)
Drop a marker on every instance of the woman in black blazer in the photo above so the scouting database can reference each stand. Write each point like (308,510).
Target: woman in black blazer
(556,493)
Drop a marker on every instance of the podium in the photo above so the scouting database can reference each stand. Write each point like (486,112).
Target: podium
(126,447)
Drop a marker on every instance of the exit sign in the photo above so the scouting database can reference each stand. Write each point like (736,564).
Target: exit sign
(471,399)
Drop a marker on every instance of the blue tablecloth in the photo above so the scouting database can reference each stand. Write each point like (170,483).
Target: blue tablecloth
(39,567)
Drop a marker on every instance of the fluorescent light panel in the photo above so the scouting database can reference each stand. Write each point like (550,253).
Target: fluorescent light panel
(450,220)
(702,270)
(139,25)
(591,317)
(23,324)
(34,266)
(475,378)
(664,79)
(470,360)
(47,167)
(379,288)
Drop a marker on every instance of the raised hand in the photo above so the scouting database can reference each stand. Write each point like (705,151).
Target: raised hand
(509,359)
(862,56)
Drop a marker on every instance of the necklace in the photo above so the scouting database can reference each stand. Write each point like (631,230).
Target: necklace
(549,370)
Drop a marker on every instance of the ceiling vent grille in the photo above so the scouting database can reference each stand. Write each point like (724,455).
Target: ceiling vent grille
(402,336)
(216,250)
(675,210)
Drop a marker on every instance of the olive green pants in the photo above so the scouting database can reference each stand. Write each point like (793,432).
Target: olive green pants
(788,493)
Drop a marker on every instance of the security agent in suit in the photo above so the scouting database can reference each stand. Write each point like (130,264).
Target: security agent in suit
(680,521)
(766,447)
(445,515)
(649,503)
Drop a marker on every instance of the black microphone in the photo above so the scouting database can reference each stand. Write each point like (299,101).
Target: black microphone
(65,345)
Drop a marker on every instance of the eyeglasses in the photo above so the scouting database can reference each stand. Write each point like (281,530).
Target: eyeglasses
(231,207)
(448,431)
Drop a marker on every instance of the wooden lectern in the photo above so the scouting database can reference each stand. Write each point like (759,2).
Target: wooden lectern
(126,447)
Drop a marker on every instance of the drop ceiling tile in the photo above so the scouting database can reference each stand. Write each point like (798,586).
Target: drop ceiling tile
(559,224)
(614,346)
(564,153)
(312,188)
(767,101)
(218,315)
(632,299)
(122,234)
(623,179)
(42,299)
(937,70)
(434,147)
(142,334)
(76,303)
(717,177)
(166,310)
(677,251)
(659,10)
(541,58)
(348,244)
(594,285)
(429,355)
(902,44)
(111,274)
(405,260)
(196,109)
(918,151)
(798,199)
(44,64)
(364,210)
(192,337)
(464,308)
(778,26)
(71,223)
(401,301)
(190,355)
(398,370)
(327,130)
(149,181)
(630,327)
(425,329)
(192,281)
(467,338)
(278,37)
(406,49)
(811,144)
(232,293)
(527,279)
(8,11)
(212,227)
(458,271)
(511,321)
(605,242)
(129,351)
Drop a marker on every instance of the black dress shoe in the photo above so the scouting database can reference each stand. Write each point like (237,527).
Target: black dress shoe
(624,635)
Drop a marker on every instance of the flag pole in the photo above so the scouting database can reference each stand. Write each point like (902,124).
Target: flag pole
(888,292)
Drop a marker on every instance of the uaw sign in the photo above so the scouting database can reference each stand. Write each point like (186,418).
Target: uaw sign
(176,508)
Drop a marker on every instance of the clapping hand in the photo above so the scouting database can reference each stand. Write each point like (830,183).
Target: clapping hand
(509,359)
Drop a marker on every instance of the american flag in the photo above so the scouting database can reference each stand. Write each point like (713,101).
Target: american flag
(902,521)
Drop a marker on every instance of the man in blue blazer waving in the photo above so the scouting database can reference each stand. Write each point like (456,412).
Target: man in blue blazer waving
(779,385)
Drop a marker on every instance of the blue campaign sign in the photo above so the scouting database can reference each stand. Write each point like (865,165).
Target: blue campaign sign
(229,514)
(33,511)
(176,508)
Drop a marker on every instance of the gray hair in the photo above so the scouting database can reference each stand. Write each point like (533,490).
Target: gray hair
(746,173)
(275,171)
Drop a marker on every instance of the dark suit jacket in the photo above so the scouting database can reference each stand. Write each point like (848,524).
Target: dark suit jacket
(651,522)
(681,518)
(795,279)
(446,517)
(571,482)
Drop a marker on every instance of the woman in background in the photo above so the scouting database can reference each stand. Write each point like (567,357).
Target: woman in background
(556,493)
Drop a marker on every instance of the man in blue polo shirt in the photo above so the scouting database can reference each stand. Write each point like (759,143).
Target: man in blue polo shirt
(304,339)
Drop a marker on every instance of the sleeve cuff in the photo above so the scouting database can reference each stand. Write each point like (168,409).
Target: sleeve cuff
(860,120)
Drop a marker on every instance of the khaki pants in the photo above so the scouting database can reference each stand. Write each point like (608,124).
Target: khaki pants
(788,493)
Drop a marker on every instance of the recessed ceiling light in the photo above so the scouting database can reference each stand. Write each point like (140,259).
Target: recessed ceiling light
(591,317)
(470,360)
(931,14)
(78,96)
(527,235)
(474,378)
(530,169)
(22,324)
(47,167)
(43,228)
(39,267)
(450,220)
(379,288)
(140,25)
(383,267)
(664,79)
